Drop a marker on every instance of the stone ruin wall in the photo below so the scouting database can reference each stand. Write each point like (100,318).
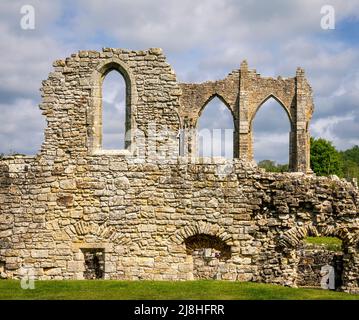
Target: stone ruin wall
(312,259)
(151,219)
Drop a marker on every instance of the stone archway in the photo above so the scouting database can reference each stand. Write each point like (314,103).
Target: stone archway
(292,242)
(293,236)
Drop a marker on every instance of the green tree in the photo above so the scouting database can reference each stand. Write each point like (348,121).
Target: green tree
(272,166)
(324,158)
(350,159)
(351,154)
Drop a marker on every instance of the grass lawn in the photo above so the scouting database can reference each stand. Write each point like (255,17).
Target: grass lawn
(162,290)
(329,243)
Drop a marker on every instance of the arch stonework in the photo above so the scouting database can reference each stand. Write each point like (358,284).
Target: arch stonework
(293,237)
(201,228)
(208,100)
(268,97)
(83,229)
(139,212)
(245,91)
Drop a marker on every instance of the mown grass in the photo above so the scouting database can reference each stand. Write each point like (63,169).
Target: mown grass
(162,290)
(329,243)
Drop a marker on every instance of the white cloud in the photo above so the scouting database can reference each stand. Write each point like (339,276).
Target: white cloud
(326,128)
(22,132)
(273,146)
(27,55)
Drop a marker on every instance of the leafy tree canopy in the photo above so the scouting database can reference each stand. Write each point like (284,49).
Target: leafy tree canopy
(272,166)
(324,158)
(350,159)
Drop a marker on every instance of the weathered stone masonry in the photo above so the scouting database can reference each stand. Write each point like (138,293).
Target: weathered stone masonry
(177,219)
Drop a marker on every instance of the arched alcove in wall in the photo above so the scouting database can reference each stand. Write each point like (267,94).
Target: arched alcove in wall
(209,255)
(215,128)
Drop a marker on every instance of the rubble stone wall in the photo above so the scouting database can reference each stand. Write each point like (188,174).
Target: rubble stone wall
(137,208)
(312,259)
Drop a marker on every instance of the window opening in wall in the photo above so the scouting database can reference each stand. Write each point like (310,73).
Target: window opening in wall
(215,130)
(113,111)
(271,129)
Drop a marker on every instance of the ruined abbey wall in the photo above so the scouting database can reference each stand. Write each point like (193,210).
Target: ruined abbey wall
(152,211)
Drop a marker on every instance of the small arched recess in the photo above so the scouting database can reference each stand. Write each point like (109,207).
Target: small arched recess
(209,255)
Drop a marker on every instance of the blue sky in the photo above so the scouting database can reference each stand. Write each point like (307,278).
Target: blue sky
(203,40)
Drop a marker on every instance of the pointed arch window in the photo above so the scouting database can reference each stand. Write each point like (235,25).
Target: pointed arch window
(215,129)
(271,128)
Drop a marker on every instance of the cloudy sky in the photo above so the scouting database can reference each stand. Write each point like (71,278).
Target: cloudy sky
(203,40)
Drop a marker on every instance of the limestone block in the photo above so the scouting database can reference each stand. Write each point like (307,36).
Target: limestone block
(39,253)
(68,184)
(75,266)
(6,233)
